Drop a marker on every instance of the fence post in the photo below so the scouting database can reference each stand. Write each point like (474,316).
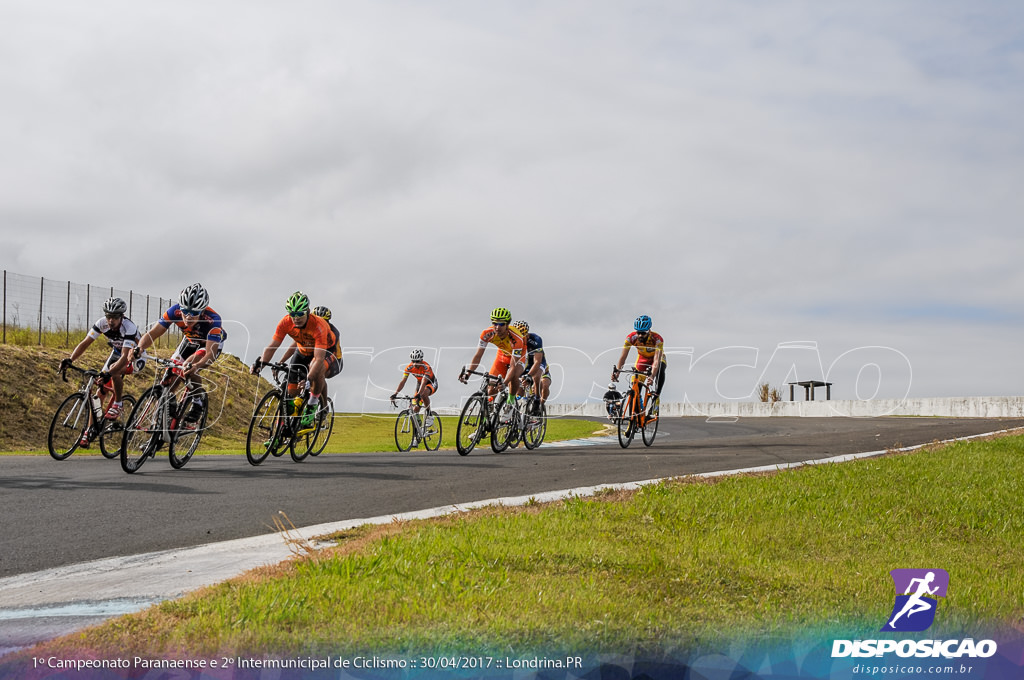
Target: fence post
(5,306)
(67,322)
(41,281)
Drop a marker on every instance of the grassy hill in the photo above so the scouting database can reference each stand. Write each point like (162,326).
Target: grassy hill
(31,390)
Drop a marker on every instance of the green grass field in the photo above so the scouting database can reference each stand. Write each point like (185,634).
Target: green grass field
(671,567)
(355,432)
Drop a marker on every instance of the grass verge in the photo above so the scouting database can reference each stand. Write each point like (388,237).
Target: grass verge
(355,433)
(669,568)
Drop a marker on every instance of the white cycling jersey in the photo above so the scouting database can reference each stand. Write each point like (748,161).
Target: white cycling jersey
(124,337)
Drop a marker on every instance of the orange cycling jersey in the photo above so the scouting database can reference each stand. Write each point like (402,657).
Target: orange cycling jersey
(512,345)
(422,371)
(646,347)
(316,334)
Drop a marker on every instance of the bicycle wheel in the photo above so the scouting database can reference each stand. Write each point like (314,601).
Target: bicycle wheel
(536,423)
(264,435)
(405,430)
(187,434)
(142,433)
(650,419)
(325,425)
(472,424)
(627,421)
(503,424)
(113,431)
(304,438)
(432,436)
(69,422)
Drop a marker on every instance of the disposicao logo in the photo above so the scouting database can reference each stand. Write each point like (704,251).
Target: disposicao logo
(914,610)
(917,591)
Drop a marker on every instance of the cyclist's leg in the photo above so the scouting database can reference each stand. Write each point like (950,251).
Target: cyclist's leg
(298,369)
(660,383)
(499,368)
(427,388)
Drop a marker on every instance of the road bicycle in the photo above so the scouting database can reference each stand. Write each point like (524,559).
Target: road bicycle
(533,416)
(475,420)
(173,411)
(411,427)
(638,410)
(82,414)
(276,424)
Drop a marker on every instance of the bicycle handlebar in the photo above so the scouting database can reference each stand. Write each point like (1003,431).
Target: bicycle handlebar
(91,372)
(487,376)
(615,370)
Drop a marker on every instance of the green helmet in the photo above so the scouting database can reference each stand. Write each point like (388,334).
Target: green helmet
(501,314)
(297,304)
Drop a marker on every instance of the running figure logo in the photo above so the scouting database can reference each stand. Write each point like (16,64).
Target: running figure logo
(914,610)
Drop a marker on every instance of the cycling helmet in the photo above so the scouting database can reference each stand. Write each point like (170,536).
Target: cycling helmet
(194,298)
(297,304)
(501,314)
(323,312)
(642,323)
(115,305)
(416,355)
(522,327)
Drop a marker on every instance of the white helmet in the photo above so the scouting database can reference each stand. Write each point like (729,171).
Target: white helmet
(115,305)
(194,298)
(416,355)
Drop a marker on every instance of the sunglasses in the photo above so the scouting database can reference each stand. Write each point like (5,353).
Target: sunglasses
(498,324)
(114,316)
(299,315)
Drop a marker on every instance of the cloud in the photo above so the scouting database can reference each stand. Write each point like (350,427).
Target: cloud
(746,174)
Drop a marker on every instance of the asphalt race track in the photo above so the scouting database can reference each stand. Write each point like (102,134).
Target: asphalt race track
(86,507)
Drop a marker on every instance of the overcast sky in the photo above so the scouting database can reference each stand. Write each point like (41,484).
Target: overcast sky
(845,176)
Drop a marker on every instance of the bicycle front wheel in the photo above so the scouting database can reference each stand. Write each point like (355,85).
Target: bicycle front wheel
(472,424)
(325,425)
(432,435)
(187,435)
(650,427)
(67,426)
(405,430)
(536,423)
(142,433)
(113,430)
(627,421)
(264,435)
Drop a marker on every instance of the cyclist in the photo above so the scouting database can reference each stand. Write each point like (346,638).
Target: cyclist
(202,341)
(612,398)
(325,314)
(317,357)
(122,335)
(426,383)
(509,364)
(536,361)
(650,349)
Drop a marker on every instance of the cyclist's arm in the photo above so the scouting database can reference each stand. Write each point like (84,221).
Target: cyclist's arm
(151,336)
(475,361)
(289,352)
(268,352)
(207,359)
(81,347)
(405,376)
(122,361)
(655,366)
(622,358)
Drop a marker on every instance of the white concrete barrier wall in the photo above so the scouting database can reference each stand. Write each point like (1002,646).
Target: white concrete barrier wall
(946,407)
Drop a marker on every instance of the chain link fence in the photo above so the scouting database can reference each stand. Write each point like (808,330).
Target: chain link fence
(40,311)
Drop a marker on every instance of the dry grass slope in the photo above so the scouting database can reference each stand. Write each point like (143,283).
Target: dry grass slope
(31,390)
